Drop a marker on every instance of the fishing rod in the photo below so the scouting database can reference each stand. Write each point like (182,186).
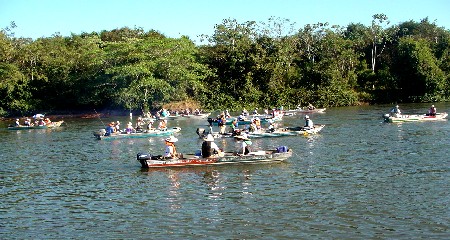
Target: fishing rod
(99,117)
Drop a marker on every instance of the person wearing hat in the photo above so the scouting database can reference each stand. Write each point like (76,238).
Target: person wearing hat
(210,148)
(243,144)
(171,150)
(432,111)
(17,123)
(396,111)
(308,123)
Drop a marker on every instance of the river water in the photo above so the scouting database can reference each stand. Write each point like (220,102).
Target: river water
(359,178)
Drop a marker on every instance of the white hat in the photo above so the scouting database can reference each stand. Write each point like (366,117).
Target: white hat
(306,117)
(209,138)
(172,139)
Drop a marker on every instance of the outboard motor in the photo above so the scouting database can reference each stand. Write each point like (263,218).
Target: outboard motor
(201,132)
(144,156)
(282,149)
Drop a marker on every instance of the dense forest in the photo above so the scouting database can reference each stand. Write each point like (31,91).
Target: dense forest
(250,64)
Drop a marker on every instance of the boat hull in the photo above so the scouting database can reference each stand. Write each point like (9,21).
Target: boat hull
(270,156)
(289,131)
(414,118)
(303,111)
(51,125)
(149,133)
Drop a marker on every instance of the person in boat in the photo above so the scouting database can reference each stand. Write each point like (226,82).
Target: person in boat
(171,150)
(162,124)
(27,122)
(227,114)
(150,125)
(432,111)
(255,112)
(47,121)
(308,123)
(117,126)
(221,122)
(139,124)
(17,123)
(243,144)
(244,112)
(271,127)
(311,107)
(395,111)
(210,148)
(109,129)
(129,128)
(41,122)
(234,125)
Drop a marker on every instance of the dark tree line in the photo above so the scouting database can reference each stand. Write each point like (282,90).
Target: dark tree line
(247,64)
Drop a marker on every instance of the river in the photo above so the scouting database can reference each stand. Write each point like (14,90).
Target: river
(359,178)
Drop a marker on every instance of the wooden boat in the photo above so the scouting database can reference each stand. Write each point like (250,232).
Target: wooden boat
(268,156)
(287,131)
(414,118)
(100,135)
(50,125)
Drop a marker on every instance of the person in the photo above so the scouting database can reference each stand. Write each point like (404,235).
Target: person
(221,122)
(129,127)
(396,111)
(311,107)
(162,124)
(243,144)
(27,122)
(109,129)
(171,150)
(234,125)
(271,127)
(210,148)
(432,111)
(308,123)
(139,123)
(117,127)
(17,123)
(47,121)
(41,122)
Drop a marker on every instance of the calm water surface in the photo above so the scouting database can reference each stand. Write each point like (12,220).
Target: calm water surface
(360,178)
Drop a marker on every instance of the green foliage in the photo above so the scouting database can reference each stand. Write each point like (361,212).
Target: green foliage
(266,65)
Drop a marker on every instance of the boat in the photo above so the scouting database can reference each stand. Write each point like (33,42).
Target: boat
(286,131)
(305,110)
(278,132)
(279,154)
(25,127)
(399,118)
(100,135)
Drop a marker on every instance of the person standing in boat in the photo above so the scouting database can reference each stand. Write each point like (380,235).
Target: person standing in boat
(210,148)
(171,150)
(308,123)
(243,144)
(432,111)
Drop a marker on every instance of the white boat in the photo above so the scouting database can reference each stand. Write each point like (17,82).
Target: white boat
(414,118)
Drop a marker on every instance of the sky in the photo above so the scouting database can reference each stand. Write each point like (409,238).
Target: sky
(175,18)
